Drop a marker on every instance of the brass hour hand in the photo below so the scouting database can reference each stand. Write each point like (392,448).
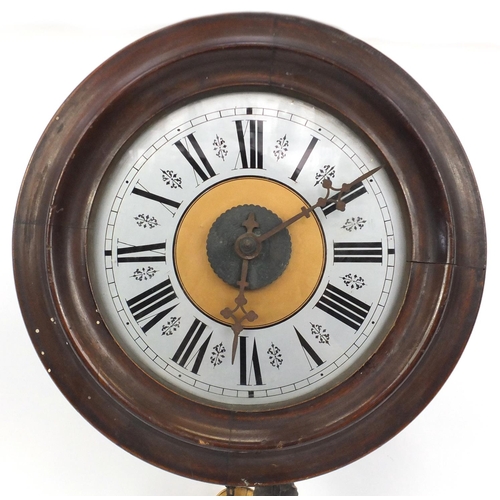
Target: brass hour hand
(247,248)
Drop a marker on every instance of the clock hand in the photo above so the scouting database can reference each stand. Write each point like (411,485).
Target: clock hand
(304,212)
(248,246)
(322,201)
(247,249)
(346,187)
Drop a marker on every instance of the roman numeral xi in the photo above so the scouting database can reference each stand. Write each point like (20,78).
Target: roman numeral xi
(201,166)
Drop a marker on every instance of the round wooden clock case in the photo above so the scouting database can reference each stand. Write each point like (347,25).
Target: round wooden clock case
(246,59)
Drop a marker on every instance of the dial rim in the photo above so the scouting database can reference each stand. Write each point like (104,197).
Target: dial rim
(192,354)
(453,268)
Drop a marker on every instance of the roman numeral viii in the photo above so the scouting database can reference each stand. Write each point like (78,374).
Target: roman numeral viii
(149,307)
(342,306)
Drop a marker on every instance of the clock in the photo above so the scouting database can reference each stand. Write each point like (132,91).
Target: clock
(249,249)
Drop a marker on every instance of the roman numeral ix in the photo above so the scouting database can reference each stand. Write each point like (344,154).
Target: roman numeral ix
(154,252)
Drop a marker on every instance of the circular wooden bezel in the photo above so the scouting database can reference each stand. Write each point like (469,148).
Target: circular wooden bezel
(338,73)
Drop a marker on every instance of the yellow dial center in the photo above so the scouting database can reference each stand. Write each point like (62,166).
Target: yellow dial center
(278,300)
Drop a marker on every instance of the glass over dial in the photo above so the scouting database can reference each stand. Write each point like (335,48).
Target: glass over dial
(248,250)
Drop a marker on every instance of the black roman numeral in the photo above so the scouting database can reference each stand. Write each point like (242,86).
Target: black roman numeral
(254,367)
(358,252)
(149,306)
(342,306)
(187,355)
(356,191)
(154,252)
(204,170)
(304,158)
(140,191)
(310,353)
(253,158)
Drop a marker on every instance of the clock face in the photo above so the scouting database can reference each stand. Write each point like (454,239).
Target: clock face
(318,296)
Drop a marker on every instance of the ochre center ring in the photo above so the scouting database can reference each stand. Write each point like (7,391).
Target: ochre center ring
(279,298)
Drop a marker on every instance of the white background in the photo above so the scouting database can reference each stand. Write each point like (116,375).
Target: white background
(451,48)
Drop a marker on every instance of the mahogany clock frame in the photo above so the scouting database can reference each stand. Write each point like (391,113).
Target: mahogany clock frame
(343,76)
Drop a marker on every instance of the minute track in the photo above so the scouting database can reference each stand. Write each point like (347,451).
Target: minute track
(322,258)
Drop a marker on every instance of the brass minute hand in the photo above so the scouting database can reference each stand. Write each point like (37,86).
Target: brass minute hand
(323,201)
(346,187)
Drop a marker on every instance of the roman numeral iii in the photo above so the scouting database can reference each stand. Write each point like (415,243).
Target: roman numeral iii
(358,252)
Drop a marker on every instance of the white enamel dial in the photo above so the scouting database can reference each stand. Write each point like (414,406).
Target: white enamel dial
(342,281)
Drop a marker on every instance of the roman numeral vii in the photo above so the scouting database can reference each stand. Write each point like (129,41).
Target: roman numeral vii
(191,352)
